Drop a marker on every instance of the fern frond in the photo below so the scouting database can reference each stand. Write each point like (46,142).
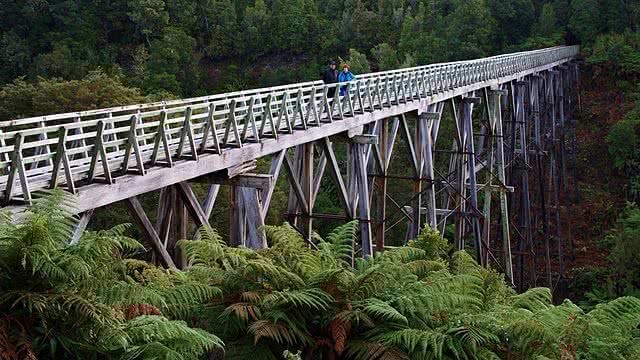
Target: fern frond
(416,340)
(244,311)
(338,244)
(276,274)
(621,312)
(309,298)
(276,331)
(423,267)
(364,350)
(151,336)
(381,309)
(405,254)
(533,299)
(339,329)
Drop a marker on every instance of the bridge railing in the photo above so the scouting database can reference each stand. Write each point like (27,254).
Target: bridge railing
(98,145)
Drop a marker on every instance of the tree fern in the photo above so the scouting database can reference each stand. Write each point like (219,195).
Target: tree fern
(146,337)
(315,299)
(380,309)
(93,300)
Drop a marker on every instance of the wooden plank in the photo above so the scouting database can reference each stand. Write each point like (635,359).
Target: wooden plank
(210,199)
(210,127)
(61,159)
(410,148)
(166,230)
(100,151)
(292,202)
(251,120)
(317,178)
(237,221)
(43,149)
(369,139)
(180,229)
(307,187)
(161,138)
(256,238)
(140,217)
(327,148)
(81,226)
(132,142)
(17,168)
(192,204)
(186,134)
(276,165)
(393,132)
(232,126)
(258,181)
(363,201)
(381,186)
(240,169)
(297,187)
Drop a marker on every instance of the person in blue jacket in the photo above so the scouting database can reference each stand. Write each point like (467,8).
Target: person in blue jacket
(345,76)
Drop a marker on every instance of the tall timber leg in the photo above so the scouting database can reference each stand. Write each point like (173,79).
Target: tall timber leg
(495,113)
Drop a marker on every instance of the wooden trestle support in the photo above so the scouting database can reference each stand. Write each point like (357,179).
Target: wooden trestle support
(497,190)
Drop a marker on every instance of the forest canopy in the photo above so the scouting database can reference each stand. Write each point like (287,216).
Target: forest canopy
(187,48)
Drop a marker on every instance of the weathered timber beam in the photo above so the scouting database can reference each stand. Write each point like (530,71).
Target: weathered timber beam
(256,181)
(191,202)
(276,165)
(493,187)
(140,217)
(337,176)
(210,199)
(81,226)
(367,139)
(235,170)
(297,187)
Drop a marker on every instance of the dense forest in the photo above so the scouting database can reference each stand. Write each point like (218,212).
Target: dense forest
(187,48)
(102,298)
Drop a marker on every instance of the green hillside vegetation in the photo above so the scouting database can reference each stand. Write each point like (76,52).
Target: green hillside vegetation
(186,48)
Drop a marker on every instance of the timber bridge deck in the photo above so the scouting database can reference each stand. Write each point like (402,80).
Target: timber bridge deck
(110,155)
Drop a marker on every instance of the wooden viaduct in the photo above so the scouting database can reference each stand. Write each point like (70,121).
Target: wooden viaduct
(513,142)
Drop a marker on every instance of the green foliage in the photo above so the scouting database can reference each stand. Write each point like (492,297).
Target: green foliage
(96,90)
(74,300)
(91,300)
(434,245)
(220,30)
(623,244)
(150,16)
(358,62)
(514,19)
(190,44)
(586,21)
(622,141)
(172,65)
(618,53)
(547,23)
(385,56)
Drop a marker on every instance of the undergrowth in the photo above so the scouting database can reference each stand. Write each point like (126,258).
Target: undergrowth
(92,300)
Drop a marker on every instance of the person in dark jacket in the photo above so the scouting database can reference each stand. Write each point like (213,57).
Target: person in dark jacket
(345,76)
(330,76)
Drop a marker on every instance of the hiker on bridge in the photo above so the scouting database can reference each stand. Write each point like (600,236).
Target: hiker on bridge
(330,76)
(345,76)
